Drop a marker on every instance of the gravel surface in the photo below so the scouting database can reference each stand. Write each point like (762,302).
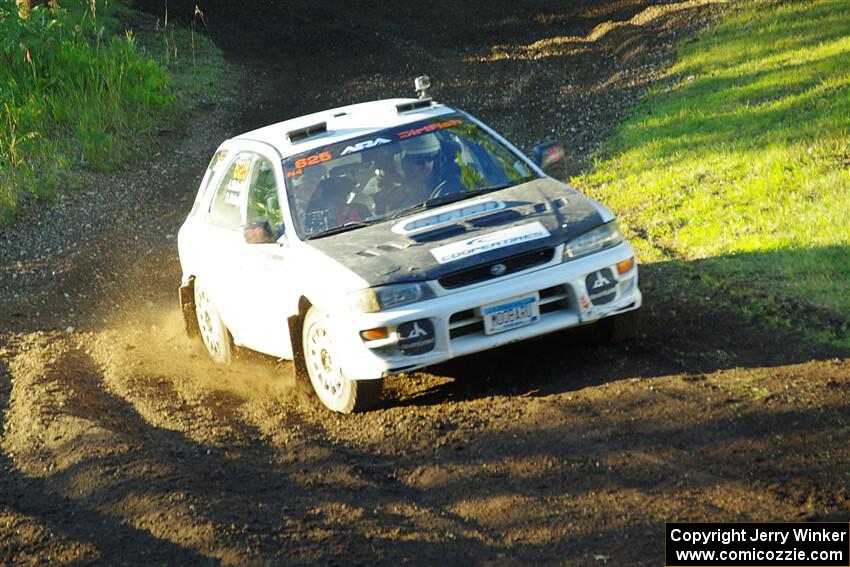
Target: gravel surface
(123,445)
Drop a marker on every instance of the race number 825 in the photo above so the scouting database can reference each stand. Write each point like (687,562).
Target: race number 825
(314,159)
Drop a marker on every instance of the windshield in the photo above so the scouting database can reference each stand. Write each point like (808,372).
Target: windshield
(350,184)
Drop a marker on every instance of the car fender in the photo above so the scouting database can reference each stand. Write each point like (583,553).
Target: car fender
(324,283)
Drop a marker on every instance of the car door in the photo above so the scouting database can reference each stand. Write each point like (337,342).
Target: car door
(222,246)
(264,280)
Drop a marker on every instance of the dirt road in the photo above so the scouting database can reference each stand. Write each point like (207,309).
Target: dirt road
(122,445)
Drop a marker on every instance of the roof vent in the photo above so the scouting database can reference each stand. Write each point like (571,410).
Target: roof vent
(308,132)
(415,105)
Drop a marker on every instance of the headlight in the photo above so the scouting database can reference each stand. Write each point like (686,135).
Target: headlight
(375,299)
(600,237)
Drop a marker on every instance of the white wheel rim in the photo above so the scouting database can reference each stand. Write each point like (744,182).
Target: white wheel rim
(209,324)
(322,366)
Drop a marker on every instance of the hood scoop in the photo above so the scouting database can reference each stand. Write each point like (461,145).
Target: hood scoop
(446,231)
(446,216)
(501,217)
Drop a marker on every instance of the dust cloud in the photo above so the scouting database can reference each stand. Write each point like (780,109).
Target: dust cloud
(151,342)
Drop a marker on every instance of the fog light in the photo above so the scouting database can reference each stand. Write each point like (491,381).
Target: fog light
(625,265)
(375,334)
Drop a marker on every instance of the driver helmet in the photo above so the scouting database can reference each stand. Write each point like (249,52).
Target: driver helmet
(424,147)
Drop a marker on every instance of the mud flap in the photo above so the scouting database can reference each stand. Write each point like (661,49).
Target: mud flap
(187,308)
(299,366)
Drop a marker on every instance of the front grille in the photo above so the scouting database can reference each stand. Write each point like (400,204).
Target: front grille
(482,273)
(469,321)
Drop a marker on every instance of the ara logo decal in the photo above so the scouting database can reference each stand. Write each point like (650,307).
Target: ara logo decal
(364,145)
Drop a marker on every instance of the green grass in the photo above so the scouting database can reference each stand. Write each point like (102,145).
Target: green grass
(739,165)
(77,91)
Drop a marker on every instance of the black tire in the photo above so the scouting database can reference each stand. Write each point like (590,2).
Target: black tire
(367,395)
(611,330)
(625,327)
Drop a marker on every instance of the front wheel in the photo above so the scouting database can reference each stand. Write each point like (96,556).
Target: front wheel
(611,330)
(625,326)
(334,389)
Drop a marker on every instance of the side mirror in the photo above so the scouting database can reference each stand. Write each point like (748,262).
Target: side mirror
(548,154)
(259,233)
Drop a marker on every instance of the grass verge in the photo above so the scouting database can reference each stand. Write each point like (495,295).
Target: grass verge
(736,171)
(77,90)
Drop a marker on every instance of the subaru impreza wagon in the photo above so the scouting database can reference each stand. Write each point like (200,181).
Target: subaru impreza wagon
(382,237)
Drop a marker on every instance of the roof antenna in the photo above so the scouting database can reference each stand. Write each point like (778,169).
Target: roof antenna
(422,83)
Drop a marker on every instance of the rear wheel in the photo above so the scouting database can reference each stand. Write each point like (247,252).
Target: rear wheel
(215,335)
(334,389)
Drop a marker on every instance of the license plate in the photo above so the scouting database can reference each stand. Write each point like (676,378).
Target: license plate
(510,314)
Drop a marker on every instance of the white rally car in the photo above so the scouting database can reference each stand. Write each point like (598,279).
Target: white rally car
(382,237)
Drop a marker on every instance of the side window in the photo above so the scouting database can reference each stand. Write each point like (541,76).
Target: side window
(215,164)
(263,202)
(225,208)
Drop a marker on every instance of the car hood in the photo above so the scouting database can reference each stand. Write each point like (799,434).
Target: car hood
(514,223)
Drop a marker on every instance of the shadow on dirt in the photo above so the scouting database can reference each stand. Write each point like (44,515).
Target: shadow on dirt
(160,497)
(47,501)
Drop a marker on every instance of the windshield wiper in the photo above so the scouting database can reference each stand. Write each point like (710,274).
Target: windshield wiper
(406,211)
(337,229)
(454,197)
(446,199)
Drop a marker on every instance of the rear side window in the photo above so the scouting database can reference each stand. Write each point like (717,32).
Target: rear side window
(212,168)
(226,207)
(263,204)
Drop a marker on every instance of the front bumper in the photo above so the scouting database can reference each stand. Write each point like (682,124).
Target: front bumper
(456,316)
